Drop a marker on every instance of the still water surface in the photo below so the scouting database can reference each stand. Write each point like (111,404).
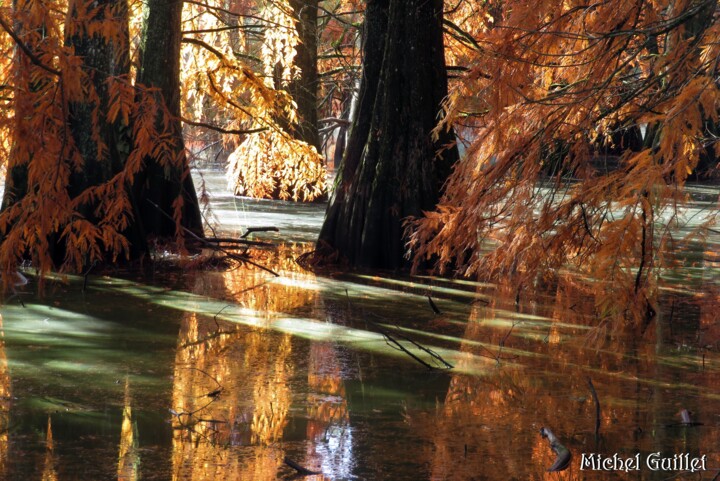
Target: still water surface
(220,375)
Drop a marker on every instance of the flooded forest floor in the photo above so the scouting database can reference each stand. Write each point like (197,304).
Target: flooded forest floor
(225,373)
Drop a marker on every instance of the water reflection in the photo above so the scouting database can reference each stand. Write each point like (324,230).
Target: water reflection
(5,400)
(329,433)
(49,471)
(225,374)
(129,457)
(488,427)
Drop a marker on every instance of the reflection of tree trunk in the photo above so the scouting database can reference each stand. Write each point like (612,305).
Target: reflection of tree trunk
(304,89)
(390,170)
(160,68)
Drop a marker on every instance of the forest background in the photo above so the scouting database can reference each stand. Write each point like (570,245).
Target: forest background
(511,141)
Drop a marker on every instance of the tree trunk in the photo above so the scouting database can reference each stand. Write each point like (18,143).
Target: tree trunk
(159,184)
(16,178)
(103,146)
(392,169)
(304,89)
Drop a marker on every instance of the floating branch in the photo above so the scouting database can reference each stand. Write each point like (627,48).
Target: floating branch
(259,229)
(230,240)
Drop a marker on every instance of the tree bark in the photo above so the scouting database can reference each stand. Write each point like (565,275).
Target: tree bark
(158,186)
(103,57)
(304,89)
(16,178)
(392,169)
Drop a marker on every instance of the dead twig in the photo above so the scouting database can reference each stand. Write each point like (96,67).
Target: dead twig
(259,229)
(502,342)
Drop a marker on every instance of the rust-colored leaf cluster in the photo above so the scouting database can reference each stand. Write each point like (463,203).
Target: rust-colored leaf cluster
(582,124)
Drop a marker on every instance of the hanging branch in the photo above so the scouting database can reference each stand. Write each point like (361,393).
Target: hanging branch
(222,130)
(26,50)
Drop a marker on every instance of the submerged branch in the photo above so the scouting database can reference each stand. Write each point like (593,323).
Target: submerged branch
(300,469)
(597,407)
(392,341)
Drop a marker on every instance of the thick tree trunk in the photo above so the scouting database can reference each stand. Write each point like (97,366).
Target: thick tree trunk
(392,169)
(304,89)
(158,186)
(102,58)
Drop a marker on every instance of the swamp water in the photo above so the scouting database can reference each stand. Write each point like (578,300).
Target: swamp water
(221,375)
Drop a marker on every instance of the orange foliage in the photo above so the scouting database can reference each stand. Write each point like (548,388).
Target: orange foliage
(549,86)
(237,65)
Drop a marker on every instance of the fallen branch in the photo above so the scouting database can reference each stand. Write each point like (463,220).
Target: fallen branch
(230,240)
(210,245)
(259,229)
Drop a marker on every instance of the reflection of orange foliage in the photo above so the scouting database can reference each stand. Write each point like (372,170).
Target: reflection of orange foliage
(5,397)
(710,319)
(128,458)
(272,396)
(490,425)
(49,472)
(326,402)
(231,388)
(253,289)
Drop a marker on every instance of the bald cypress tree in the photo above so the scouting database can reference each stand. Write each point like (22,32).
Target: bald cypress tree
(393,168)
